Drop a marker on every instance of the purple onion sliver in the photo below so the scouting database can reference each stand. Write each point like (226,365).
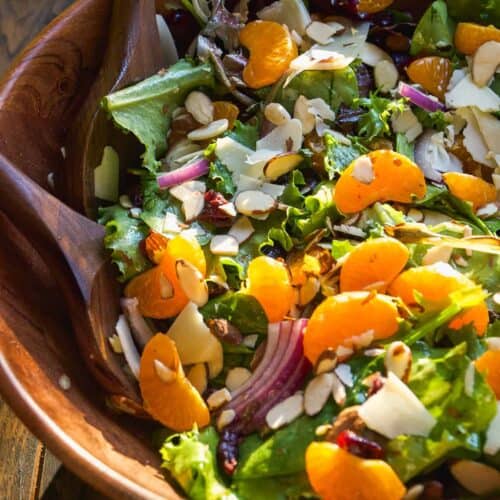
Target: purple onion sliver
(420,99)
(187,173)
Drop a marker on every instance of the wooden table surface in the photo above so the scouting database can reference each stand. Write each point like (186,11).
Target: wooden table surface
(28,470)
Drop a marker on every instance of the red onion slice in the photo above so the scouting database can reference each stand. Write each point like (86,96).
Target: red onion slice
(187,173)
(420,99)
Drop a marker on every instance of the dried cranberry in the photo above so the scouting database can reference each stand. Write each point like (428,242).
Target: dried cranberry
(183,26)
(212,213)
(359,446)
(227,451)
(433,490)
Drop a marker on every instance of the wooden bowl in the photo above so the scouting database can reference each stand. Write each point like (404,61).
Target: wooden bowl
(39,97)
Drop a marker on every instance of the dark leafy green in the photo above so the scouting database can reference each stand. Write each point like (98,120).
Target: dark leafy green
(245,133)
(479,11)
(123,236)
(431,119)
(434,32)
(145,108)
(295,487)
(240,309)
(334,87)
(404,147)
(220,179)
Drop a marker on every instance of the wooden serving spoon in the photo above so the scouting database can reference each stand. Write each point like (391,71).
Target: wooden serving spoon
(71,244)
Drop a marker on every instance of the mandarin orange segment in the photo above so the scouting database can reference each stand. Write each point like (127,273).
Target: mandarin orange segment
(432,73)
(269,282)
(381,175)
(341,317)
(489,365)
(158,290)
(373,6)
(470,188)
(271,51)
(469,37)
(227,110)
(336,474)
(435,283)
(373,265)
(168,395)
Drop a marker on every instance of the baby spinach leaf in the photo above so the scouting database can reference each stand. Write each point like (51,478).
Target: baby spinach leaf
(293,487)
(145,109)
(479,11)
(123,236)
(283,454)
(244,133)
(220,179)
(240,309)
(434,32)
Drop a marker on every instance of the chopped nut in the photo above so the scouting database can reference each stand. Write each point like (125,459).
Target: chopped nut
(398,360)
(209,131)
(326,362)
(285,412)
(225,331)
(191,282)
(317,392)
(276,113)
(225,418)
(218,398)
(338,391)
(236,377)
(224,244)
(164,372)
(200,107)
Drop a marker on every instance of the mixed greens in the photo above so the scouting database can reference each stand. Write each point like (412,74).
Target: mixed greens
(313,228)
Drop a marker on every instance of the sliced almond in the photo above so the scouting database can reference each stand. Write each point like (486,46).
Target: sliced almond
(317,392)
(320,32)
(218,398)
(200,106)
(308,290)
(326,362)
(166,288)
(193,206)
(210,131)
(224,244)
(302,113)
(363,170)
(485,62)
(286,411)
(398,360)
(371,55)
(192,282)
(488,210)
(229,209)
(344,373)
(250,340)
(338,391)
(281,165)
(236,377)
(386,75)
(253,203)
(164,372)
(440,253)
(478,478)
(276,113)
(225,418)
(242,229)
(285,138)
(197,375)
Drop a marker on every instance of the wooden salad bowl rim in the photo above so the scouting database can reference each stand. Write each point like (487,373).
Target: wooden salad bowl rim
(40,96)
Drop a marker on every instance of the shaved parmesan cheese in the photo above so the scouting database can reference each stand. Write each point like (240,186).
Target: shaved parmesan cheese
(394,410)
(293,13)
(232,154)
(492,445)
(320,32)
(192,337)
(490,129)
(467,93)
(350,42)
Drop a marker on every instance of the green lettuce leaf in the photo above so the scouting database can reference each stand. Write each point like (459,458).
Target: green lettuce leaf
(294,487)
(244,133)
(334,87)
(431,119)
(339,156)
(145,109)
(190,458)
(438,379)
(404,147)
(434,32)
(240,309)
(479,11)
(123,236)
(220,179)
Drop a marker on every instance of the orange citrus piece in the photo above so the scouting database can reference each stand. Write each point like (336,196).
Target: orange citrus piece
(373,265)
(435,283)
(373,6)
(341,317)
(381,175)
(226,109)
(336,474)
(169,398)
(489,365)
(269,282)
(470,188)
(469,36)
(433,73)
(271,52)
(158,290)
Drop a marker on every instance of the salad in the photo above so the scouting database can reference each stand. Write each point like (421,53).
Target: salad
(308,247)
